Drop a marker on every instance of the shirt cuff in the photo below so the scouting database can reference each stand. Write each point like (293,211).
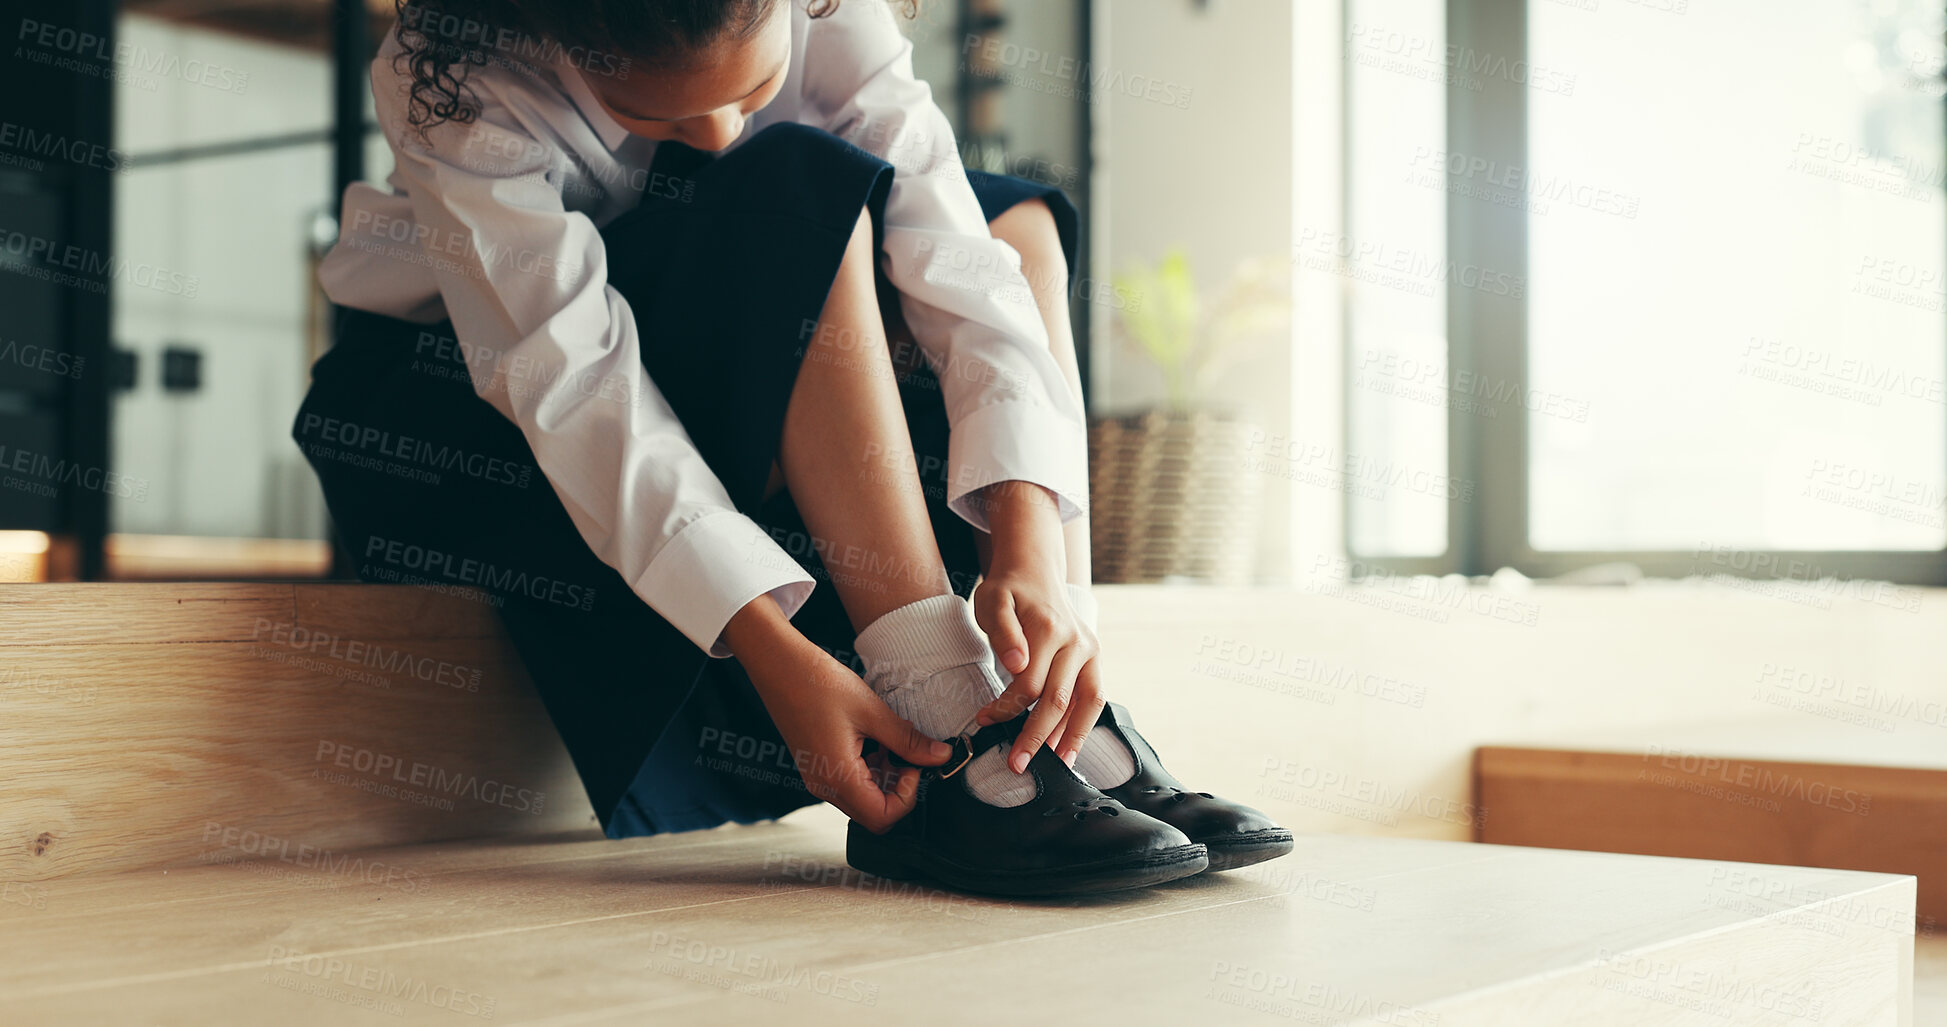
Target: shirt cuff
(711,569)
(1016,442)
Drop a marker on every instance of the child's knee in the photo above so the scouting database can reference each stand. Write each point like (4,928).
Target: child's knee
(858,250)
(1029,227)
(791,135)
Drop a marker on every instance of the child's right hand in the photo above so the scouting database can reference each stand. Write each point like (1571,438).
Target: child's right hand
(825,713)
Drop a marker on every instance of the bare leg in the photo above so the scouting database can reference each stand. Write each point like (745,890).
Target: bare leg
(847,457)
(1029,227)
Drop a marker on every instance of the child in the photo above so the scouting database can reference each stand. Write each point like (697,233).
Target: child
(633,352)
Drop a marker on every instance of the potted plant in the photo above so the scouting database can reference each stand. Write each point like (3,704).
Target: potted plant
(1172,497)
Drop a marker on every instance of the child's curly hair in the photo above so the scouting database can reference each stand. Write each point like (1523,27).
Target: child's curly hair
(444,38)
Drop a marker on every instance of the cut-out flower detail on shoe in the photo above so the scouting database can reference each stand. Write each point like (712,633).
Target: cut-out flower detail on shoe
(1083,807)
(1178,794)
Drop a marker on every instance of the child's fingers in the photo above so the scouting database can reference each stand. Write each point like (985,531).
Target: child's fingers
(898,734)
(1050,710)
(875,809)
(995,614)
(1009,704)
(1024,691)
(1083,711)
(904,793)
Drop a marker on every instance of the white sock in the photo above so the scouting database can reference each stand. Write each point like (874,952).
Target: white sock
(932,664)
(1102,760)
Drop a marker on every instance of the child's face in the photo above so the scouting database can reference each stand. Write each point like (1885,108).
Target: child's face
(703,107)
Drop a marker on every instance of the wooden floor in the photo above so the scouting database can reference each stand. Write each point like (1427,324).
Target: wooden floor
(767,923)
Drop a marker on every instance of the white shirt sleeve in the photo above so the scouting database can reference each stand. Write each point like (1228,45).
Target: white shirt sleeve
(525,282)
(1011,413)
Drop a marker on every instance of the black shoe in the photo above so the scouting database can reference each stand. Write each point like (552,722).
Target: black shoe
(1237,836)
(1069,839)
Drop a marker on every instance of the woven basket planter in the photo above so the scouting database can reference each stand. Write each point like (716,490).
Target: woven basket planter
(1170,497)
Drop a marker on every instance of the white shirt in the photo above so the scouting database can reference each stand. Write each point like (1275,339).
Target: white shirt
(495,224)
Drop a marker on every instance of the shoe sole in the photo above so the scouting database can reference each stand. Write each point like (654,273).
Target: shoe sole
(897,861)
(1248,850)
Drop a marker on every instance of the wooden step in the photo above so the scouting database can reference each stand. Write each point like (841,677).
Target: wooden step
(767,922)
(1780,791)
(173,781)
(148,725)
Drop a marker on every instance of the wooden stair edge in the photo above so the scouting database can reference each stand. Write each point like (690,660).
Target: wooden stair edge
(1552,763)
(1841,816)
(97,613)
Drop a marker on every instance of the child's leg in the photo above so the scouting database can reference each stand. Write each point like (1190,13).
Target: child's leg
(847,457)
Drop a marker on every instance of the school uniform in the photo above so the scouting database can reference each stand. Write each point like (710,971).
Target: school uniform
(562,377)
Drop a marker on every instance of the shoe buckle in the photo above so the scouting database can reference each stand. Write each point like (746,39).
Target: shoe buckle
(965,745)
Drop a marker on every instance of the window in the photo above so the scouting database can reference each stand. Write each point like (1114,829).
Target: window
(226,176)
(1648,280)
(1392,254)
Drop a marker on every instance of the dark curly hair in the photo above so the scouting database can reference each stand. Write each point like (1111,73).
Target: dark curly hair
(444,38)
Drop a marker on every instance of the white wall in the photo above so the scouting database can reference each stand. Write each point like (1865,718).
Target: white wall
(1213,177)
(1242,690)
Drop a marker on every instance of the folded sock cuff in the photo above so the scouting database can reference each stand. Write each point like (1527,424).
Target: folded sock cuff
(940,629)
(944,704)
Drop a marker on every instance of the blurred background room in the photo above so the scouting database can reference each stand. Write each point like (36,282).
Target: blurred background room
(1558,290)
(1475,385)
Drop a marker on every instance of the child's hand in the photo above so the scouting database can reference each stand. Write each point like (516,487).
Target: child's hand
(825,714)
(1052,656)
(1022,604)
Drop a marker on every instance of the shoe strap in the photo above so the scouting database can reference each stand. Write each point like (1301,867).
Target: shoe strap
(966,747)
(1150,773)
(1003,733)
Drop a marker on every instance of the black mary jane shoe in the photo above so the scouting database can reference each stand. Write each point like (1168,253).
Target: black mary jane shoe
(1236,835)
(1070,839)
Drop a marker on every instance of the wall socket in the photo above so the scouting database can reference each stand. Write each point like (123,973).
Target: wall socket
(182,369)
